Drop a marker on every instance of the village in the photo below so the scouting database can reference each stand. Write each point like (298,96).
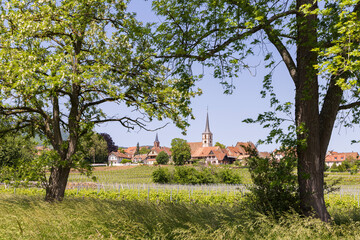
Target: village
(208,153)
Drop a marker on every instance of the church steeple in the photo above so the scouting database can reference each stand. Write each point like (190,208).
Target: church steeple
(207,136)
(207,126)
(156,142)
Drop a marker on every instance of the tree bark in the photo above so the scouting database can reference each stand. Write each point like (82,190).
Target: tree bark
(310,160)
(56,186)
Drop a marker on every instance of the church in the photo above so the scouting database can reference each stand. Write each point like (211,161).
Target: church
(203,152)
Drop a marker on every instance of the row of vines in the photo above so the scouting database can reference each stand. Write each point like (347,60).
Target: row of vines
(178,194)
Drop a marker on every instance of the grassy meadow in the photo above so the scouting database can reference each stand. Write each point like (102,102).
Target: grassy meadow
(29,217)
(164,213)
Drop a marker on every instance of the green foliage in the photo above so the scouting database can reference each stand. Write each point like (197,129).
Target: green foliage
(190,175)
(125,161)
(228,176)
(144,150)
(349,165)
(19,162)
(162,158)
(161,175)
(180,151)
(222,146)
(60,60)
(25,216)
(15,149)
(94,148)
(275,189)
(137,151)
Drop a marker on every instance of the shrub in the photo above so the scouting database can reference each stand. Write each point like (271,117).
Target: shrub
(228,176)
(206,176)
(275,185)
(162,158)
(190,175)
(125,161)
(186,175)
(161,175)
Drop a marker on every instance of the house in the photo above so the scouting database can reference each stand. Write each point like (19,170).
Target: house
(203,151)
(211,155)
(140,158)
(265,155)
(336,158)
(151,156)
(241,151)
(206,153)
(130,151)
(115,158)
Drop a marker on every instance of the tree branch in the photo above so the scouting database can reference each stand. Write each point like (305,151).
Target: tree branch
(236,37)
(85,106)
(348,106)
(128,123)
(284,53)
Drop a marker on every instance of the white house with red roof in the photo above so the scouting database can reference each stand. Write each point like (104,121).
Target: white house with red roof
(115,158)
(336,158)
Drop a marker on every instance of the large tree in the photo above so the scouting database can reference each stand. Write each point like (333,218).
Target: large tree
(223,33)
(61,60)
(180,151)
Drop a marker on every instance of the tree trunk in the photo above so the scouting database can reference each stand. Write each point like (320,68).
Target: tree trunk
(310,160)
(55,189)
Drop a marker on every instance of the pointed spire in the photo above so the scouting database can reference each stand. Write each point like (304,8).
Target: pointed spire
(156,142)
(207,126)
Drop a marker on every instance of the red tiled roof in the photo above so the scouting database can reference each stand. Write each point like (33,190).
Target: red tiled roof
(161,149)
(235,151)
(340,157)
(245,145)
(141,157)
(194,146)
(264,154)
(209,151)
(121,155)
(130,150)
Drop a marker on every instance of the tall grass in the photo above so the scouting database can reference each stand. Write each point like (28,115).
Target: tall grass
(29,217)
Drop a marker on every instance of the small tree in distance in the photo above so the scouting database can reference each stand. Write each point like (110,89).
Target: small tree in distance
(110,143)
(180,151)
(162,158)
(222,146)
(144,150)
(137,151)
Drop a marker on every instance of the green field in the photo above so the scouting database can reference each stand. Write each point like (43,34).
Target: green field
(142,175)
(136,175)
(29,217)
(125,204)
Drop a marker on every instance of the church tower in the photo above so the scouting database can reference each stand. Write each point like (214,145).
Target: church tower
(156,142)
(207,136)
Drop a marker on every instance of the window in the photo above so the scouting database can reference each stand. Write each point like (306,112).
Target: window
(335,158)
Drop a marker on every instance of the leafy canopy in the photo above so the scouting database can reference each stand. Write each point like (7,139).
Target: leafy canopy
(60,60)
(162,158)
(180,151)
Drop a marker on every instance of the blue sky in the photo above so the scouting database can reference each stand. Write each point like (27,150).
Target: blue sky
(226,112)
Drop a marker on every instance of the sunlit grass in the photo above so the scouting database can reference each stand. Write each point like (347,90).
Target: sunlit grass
(29,217)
